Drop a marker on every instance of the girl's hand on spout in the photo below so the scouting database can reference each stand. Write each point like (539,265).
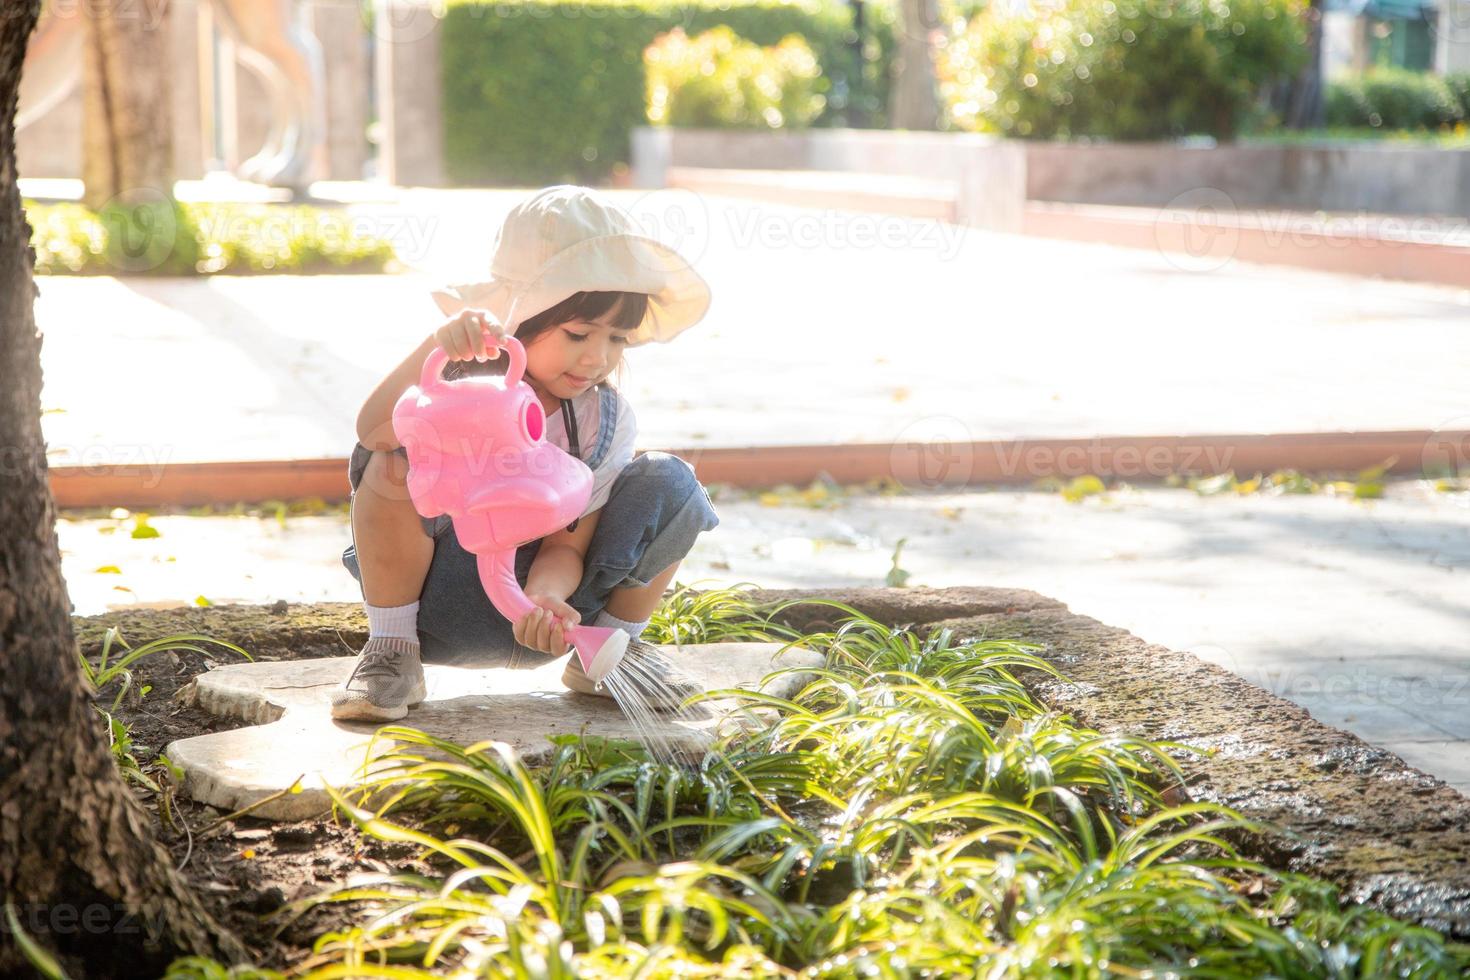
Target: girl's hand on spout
(542,628)
(467,336)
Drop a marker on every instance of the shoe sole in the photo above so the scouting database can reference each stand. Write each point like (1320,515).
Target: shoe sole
(367,711)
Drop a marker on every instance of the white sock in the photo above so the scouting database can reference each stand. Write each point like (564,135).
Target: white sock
(635,630)
(399,621)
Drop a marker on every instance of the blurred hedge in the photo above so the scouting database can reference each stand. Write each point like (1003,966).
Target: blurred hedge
(1397,98)
(1121,69)
(718,79)
(187,239)
(545,91)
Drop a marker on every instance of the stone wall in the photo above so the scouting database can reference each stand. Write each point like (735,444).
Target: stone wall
(1328,176)
(989,174)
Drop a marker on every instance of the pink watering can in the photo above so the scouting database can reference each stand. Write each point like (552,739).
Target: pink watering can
(477,452)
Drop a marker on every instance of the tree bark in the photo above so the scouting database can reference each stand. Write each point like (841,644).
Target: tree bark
(80,867)
(1305,106)
(914,103)
(127,118)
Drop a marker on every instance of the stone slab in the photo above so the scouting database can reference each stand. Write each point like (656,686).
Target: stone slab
(294,735)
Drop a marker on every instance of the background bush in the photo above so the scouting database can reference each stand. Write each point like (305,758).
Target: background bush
(1396,98)
(1459,86)
(546,91)
(179,239)
(1120,69)
(719,79)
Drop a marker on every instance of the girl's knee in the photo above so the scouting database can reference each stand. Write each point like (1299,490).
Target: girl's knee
(664,473)
(386,467)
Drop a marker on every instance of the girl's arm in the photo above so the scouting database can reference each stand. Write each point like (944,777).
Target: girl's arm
(462,337)
(555,574)
(375,421)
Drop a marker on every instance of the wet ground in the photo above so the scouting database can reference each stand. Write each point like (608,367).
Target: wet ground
(1356,610)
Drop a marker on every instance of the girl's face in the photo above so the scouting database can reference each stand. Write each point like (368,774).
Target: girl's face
(569,358)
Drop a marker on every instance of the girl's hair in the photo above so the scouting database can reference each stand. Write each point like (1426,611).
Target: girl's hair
(631,308)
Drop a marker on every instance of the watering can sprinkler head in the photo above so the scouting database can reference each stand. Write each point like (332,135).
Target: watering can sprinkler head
(599,648)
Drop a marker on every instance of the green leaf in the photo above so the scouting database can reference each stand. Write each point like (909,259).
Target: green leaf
(897,578)
(142,529)
(39,958)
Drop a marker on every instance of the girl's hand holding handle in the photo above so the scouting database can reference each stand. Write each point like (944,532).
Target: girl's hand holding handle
(544,627)
(467,336)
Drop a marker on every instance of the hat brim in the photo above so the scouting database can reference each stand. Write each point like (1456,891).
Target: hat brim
(678,296)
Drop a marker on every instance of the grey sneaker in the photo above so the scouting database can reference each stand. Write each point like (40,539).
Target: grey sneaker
(663,686)
(387,680)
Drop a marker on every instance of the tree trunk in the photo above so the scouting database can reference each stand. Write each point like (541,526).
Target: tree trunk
(80,867)
(127,118)
(1305,106)
(914,103)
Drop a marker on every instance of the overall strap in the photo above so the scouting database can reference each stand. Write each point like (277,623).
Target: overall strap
(574,440)
(607,425)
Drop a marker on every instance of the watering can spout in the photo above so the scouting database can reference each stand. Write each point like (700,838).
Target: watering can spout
(599,648)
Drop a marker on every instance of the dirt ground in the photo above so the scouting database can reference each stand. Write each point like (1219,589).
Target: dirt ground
(245,870)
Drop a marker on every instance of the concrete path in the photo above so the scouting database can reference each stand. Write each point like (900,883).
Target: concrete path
(827,327)
(1356,610)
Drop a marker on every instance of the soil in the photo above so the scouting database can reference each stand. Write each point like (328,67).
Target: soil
(246,871)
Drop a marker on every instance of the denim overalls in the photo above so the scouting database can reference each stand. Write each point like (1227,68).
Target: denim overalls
(654,513)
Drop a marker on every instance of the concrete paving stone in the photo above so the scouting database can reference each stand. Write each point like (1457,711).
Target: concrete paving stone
(1432,756)
(296,737)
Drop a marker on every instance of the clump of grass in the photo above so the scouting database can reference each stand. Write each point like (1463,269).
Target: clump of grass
(910,811)
(101,674)
(183,238)
(1367,484)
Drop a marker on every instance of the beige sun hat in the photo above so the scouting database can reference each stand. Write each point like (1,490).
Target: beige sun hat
(565,239)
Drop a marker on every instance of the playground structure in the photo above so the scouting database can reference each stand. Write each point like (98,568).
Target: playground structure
(280,93)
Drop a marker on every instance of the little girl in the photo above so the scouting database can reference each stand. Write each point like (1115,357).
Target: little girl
(572,279)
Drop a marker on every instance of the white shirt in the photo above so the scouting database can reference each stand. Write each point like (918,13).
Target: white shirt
(588,409)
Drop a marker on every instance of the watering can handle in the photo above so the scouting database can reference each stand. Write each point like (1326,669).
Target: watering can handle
(436,360)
